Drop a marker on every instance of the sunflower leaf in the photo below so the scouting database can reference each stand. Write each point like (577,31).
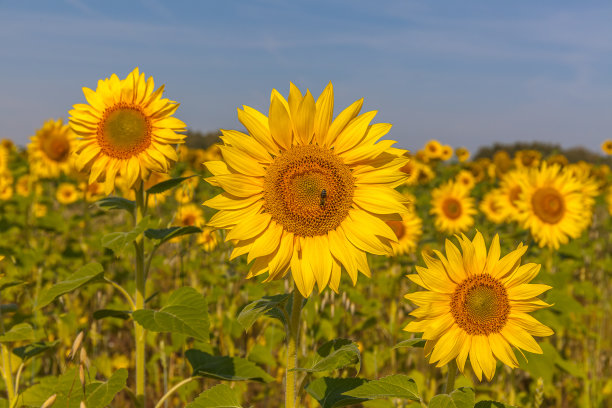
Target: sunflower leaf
(21,331)
(104,313)
(334,354)
(118,241)
(420,343)
(33,349)
(442,401)
(225,367)
(116,203)
(463,397)
(332,392)
(166,234)
(393,386)
(264,306)
(186,312)
(167,185)
(92,272)
(219,396)
(104,393)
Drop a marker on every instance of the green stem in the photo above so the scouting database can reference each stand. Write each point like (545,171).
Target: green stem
(171,390)
(7,373)
(139,331)
(450,380)
(291,400)
(123,292)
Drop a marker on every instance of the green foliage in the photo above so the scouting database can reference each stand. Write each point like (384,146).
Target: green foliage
(101,394)
(334,354)
(271,306)
(460,398)
(225,367)
(92,272)
(116,203)
(31,350)
(393,386)
(166,234)
(184,312)
(19,332)
(166,185)
(333,392)
(219,396)
(118,241)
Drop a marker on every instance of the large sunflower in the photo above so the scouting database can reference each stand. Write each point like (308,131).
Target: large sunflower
(552,206)
(408,232)
(453,207)
(50,149)
(127,129)
(510,190)
(306,193)
(477,305)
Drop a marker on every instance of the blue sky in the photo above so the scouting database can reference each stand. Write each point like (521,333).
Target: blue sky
(466,73)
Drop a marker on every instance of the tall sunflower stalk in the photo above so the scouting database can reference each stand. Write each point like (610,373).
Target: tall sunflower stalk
(127,130)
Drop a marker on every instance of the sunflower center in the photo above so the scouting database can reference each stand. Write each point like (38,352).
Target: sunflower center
(124,131)
(308,190)
(57,148)
(480,305)
(451,208)
(548,205)
(398,228)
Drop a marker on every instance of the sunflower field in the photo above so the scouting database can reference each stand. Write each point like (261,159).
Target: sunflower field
(302,261)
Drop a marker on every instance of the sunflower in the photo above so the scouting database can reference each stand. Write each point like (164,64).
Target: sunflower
(552,206)
(66,193)
(127,128)
(527,158)
(408,232)
(39,210)
(503,162)
(433,149)
(6,190)
(477,305)
(491,208)
(306,193)
(466,179)
(26,184)
(559,159)
(446,153)
(4,160)
(462,153)
(606,146)
(92,192)
(190,214)
(510,190)
(49,151)
(453,208)
(208,239)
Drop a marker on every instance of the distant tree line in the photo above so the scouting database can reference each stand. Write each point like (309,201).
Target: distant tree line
(199,140)
(573,154)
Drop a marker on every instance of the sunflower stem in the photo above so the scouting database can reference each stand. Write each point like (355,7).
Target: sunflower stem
(291,400)
(450,379)
(139,331)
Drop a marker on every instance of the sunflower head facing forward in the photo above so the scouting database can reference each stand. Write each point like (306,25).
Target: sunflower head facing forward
(453,208)
(49,151)
(476,305)
(126,128)
(307,193)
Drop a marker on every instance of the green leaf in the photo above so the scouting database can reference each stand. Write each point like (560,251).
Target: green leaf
(167,185)
(33,349)
(263,306)
(166,234)
(464,397)
(6,282)
(393,386)
(420,343)
(442,401)
(118,241)
(337,353)
(105,392)
(116,203)
(185,312)
(103,313)
(92,272)
(492,404)
(219,396)
(332,392)
(225,367)
(19,332)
